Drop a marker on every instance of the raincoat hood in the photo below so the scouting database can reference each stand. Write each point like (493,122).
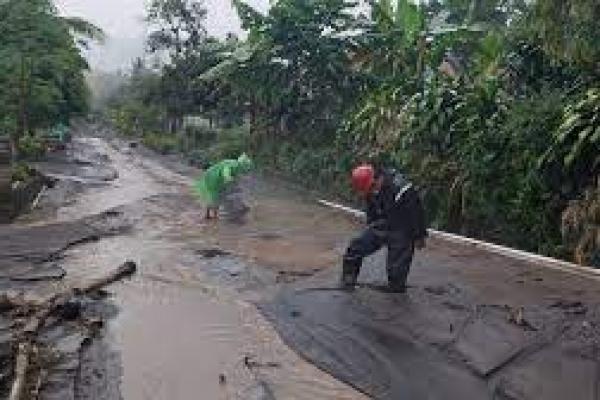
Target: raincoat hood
(245,163)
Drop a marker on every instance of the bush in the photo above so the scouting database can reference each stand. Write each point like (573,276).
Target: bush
(230,143)
(162,143)
(581,227)
(133,119)
(323,168)
(31,147)
(198,158)
(201,136)
(21,172)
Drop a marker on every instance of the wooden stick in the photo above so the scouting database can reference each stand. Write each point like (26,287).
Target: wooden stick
(38,197)
(128,268)
(22,363)
(35,393)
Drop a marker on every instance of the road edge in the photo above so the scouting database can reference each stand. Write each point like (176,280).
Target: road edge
(521,255)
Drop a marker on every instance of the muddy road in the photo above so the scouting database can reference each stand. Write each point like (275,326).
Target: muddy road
(224,310)
(185,327)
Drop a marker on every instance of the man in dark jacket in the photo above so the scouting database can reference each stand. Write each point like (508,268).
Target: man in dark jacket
(395,218)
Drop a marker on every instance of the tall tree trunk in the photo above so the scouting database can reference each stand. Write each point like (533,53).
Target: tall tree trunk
(253,128)
(22,125)
(172,124)
(22,119)
(253,118)
(14,146)
(179,124)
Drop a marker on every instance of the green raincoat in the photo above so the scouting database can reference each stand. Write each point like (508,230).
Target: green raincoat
(215,180)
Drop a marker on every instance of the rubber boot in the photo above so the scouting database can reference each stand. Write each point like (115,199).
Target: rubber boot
(395,288)
(349,274)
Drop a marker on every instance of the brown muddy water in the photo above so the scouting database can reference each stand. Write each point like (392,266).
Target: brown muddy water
(472,325)
(187,328)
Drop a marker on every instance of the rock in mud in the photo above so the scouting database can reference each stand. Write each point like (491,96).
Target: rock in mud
(70,311)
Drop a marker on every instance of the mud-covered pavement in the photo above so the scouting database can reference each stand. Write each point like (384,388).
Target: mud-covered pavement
(198,320)
(185,327)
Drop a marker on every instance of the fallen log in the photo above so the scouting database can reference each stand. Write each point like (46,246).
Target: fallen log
(36,322)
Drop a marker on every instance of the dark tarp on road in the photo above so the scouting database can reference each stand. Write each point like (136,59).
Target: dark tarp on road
(437,342)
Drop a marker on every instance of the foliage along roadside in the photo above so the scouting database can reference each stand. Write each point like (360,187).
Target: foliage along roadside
(41,67)
(490,106)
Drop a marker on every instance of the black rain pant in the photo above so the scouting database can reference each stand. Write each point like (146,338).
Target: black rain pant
(399,257)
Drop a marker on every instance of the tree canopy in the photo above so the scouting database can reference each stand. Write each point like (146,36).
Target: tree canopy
(41,66)
(490,105)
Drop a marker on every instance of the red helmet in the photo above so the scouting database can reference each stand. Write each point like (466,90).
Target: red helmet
(363,177)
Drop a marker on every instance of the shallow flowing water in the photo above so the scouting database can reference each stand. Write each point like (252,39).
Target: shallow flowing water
(184,330)
(188,326)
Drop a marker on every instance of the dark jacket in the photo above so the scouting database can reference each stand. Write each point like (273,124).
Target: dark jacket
(397,207)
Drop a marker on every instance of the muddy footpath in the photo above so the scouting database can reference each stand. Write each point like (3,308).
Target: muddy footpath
(190,309)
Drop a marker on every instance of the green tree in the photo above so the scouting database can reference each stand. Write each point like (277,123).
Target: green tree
(491,105)
(569,30)
(41,65)
(178,27)
(294,68)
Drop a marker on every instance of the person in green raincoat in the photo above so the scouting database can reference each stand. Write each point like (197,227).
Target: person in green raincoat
(216,180)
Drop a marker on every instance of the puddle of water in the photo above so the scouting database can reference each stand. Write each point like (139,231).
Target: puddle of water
(179,330)
(177,334)
(174,341)
(281,231)
(173,334)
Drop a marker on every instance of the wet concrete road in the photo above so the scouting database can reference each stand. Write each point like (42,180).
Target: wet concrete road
(187,327)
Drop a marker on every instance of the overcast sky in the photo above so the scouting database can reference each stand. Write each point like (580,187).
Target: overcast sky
(122,20)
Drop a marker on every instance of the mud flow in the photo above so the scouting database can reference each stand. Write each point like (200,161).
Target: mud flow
(185,325)
(249,308)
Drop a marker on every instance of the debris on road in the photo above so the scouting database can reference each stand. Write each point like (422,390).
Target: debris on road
(72,235)
(61,304)
(574,307)
(517,317)
(212,252)
(465,329)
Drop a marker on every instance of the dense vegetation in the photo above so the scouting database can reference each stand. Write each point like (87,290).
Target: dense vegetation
(41,69)
(492,106)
